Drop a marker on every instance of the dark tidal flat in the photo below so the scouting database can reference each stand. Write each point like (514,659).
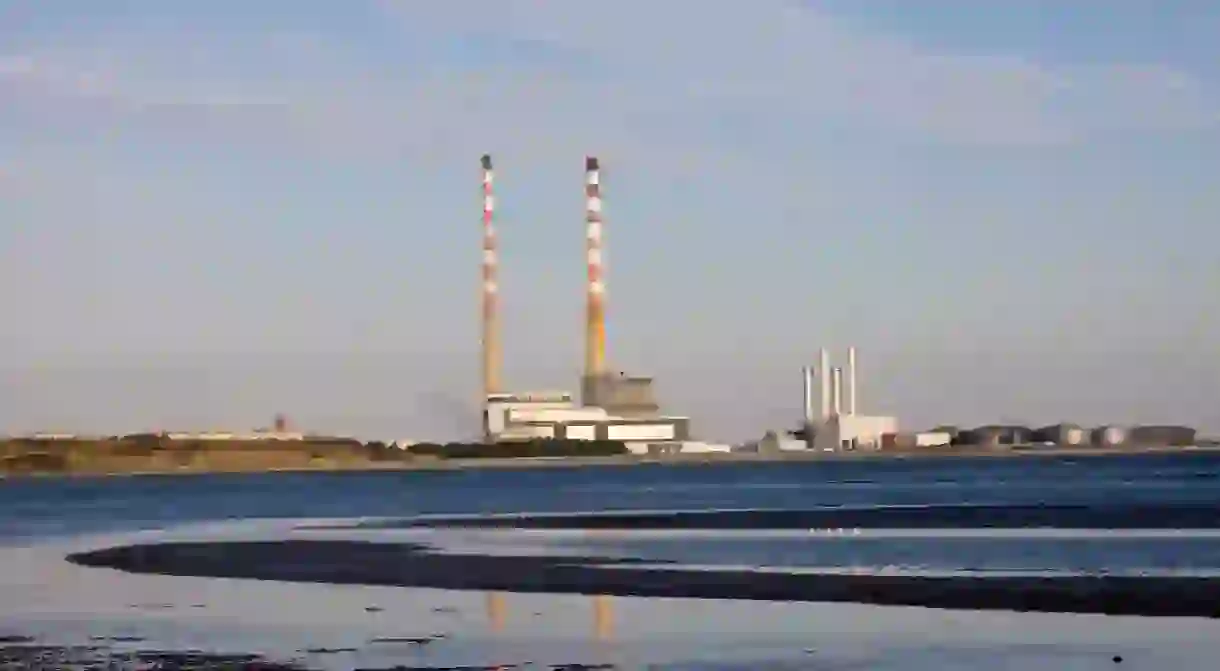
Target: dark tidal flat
(414,565)
(1091,516)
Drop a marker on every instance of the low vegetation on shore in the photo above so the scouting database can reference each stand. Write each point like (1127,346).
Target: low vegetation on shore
(153,453)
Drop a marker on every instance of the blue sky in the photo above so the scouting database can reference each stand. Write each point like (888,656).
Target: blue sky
(217,211)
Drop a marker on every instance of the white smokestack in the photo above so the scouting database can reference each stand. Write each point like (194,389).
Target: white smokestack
(851,380)
(807,396)
(824,375)
(836,392)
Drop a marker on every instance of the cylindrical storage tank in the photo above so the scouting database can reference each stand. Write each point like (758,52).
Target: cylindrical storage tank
(1059,434)
(1109,436)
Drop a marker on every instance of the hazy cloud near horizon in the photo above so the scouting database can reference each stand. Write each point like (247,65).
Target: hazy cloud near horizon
(213,212)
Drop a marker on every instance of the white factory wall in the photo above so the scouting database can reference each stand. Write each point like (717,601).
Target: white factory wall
(557,415)
(932,439)
(638,447)
(630,432)
(862,430)
(773,441)
(500,407)
(582,432)
(697,447)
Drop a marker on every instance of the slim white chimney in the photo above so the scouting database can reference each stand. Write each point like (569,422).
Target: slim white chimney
(807,396)
(851,380)
(836,393)
(824,375)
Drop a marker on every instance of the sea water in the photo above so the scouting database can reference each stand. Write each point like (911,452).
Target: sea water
(41,520)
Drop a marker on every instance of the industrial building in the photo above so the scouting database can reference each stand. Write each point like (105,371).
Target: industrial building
(838,425)
(1074,435)
(1060,434)
(613,405)
(995,435)
(915,441)
(534,415)
(1177,436)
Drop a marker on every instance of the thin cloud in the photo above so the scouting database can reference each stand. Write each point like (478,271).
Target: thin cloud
(644,78)
(801,64)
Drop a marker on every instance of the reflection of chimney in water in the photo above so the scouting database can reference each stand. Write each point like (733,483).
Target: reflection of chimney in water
(496,615)
(603,617)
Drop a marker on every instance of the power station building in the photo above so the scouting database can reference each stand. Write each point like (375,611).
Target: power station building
(613,405)
(530,416)
(838,426)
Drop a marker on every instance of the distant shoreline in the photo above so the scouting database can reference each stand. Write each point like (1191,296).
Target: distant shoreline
(432,464)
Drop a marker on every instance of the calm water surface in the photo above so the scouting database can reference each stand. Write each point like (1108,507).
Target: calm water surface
(1155,490)
(39,508)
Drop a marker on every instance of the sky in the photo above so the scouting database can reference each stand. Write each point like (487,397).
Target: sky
(214,212)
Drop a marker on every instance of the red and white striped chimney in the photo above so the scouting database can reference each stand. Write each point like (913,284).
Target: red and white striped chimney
(491,314)
(595,311)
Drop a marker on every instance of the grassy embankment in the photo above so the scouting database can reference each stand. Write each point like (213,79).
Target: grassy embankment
(150,454)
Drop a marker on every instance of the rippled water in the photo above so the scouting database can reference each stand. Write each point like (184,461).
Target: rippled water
(1179,492)
(37,507)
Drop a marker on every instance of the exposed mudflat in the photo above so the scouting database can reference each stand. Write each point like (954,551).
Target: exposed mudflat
(412,565)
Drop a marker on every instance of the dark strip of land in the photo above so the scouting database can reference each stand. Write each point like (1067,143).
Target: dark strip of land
(413,565)
(1111,516)
(278,458)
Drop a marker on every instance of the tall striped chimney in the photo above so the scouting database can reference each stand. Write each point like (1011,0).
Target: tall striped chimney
(491,313)
(595,311)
